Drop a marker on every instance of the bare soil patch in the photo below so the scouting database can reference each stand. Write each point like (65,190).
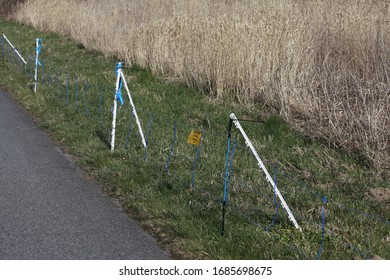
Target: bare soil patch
(379,194)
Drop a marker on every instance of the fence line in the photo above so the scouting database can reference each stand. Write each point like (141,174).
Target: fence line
(245,189)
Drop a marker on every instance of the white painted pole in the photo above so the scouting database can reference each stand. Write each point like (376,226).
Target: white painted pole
(133,108)
(15,50)
(262,166)
(36,64)
(118,76)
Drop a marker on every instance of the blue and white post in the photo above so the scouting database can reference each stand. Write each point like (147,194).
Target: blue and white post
(120,80)
(38,47)
(226,177)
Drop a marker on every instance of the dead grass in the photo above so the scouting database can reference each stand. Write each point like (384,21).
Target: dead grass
(324,65)
(379,194)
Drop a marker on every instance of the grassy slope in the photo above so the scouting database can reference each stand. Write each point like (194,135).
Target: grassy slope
(186,220)
(322,64)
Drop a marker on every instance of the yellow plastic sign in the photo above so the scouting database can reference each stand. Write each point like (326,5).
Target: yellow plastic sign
(195,137)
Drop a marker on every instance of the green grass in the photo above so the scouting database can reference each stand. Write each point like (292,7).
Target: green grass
(186,218)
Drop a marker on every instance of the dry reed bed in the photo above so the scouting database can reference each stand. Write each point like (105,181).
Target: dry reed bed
(324,65)
(8,7)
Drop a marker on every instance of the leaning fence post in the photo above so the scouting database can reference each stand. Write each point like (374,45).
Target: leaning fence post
(14,49)
(265,171)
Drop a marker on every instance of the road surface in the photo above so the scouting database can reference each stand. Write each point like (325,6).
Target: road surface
(48,210)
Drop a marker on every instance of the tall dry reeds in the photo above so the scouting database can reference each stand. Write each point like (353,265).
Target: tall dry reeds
(9,7)
(325,64)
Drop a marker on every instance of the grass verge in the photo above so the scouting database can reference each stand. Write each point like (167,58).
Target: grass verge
(174,189)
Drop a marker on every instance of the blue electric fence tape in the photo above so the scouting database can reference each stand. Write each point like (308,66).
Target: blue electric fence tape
(38,49)
(119,65)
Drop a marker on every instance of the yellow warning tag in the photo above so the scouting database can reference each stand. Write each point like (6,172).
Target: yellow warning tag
(195,137)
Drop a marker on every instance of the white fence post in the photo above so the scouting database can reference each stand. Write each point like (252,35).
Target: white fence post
(262,166)
(114,111)
(38,46)
(15,50)
(120,78)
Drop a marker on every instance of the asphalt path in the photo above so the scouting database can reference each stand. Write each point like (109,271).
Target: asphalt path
(48,210)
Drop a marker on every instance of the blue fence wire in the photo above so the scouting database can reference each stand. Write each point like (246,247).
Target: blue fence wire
(49,77)
(172,147)
(43,72)
(129,131)
(195,163)
(85,93)
(101,90)
(147,137)
(77,93)
(67,88)
(230,172)
(58,83)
